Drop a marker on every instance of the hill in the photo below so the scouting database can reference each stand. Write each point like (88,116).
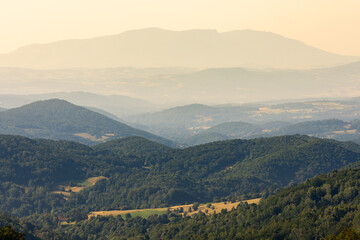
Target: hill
(183,122)
(115,104)
(329,128)
(205,137)
(58,119)
(225,131)
(143,174)
(132,146)
(192,48)
(320,208)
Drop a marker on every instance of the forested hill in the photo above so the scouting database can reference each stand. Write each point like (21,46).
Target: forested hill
(58,119)
(319,208)
(132,146)
(313,210)
(143,174)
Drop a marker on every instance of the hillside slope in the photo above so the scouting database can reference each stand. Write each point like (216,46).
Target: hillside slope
(61,120)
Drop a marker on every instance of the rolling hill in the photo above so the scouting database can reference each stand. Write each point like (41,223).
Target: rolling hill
(58,119)
(157,47)
(318,209)
(183,122)
(325,207)
(117,105)
(329,128)
(143,174)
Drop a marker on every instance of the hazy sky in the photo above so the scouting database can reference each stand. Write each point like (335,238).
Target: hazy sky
(332,25)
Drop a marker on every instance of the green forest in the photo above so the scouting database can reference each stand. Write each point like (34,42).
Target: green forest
(139,174)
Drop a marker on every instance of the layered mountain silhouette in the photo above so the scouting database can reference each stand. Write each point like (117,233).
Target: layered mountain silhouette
(157,47)
(60,120)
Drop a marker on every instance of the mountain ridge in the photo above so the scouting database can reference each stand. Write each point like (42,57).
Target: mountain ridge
(158,47)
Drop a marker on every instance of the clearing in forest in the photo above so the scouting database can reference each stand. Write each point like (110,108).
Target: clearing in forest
(65,190)
(208,208)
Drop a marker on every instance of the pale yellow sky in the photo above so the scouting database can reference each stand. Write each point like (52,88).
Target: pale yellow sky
(332,25)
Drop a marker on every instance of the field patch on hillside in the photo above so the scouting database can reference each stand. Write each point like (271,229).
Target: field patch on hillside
(66,190)
(91,137)
(209,208)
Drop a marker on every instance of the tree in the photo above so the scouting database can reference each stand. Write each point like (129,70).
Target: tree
(8,233)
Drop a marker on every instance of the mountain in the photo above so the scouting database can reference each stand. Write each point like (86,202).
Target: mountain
(58,119)
(157,47)
(115,104)
(176,122)
(316,128)
(224,131)
(205,137)
(105,113)
(181,123)
(235,129)
(329,128)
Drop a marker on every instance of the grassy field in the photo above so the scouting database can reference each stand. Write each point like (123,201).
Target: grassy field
(209,208)
(65,191)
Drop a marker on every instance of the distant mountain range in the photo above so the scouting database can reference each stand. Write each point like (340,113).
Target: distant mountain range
(61,120)
(153,47)
(169,87)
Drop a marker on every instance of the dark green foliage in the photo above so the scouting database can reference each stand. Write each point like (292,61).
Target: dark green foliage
(345,234)
(153,175)
(8,233)
(13,228)
(325,206)
(132,146)
(313,210)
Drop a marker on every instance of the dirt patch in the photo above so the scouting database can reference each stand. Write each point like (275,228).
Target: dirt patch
(91,137)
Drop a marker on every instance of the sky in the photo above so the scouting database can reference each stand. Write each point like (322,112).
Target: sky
(331,25)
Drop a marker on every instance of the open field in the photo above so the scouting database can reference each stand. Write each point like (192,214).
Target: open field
(92,138)
(67,190)
(209,208)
